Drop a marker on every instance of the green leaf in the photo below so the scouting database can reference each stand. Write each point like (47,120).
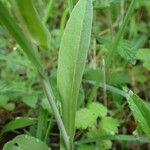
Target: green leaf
(86,147)
(30,22)
(45,105)
(17,33)
(25,142)
(119,78)
(4,103)
(109,126)
(143,54)
(72,57)
(97,108)
(85,118)
(30,100)
(146,65)
(141,112)
(126,51)
(105,144)
(17,124)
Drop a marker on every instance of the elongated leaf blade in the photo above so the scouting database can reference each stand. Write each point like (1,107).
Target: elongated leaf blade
(30,22)
(141,113)
(17,124)
(72,57)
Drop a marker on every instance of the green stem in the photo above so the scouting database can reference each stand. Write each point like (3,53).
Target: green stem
(120,33)
(110,88)
(49,93)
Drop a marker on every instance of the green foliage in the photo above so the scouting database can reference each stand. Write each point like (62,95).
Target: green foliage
(109,125)
(24,142)
(31,23)
(30,100)
(119,36)
(98,109)
(33,56)
(4,103)
(86,147)
(71,60)
(119,78)
(85,118)
(14,29)
(126,50)
(143,54)
(141,112)
(17,124)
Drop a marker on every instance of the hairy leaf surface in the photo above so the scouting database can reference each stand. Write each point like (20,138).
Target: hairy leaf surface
(72,57)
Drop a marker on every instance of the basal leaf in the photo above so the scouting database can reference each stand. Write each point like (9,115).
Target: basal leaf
(141,112)
(72,57)
(25,142)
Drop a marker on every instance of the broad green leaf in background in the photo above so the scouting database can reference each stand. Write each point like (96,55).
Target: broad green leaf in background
(99,109)
(71,61)
(147,65)
(126,50)
(109,126)
(25,142)
(141,112)
(30,100)
(143,54)
(4,103)
(85,118)
(28,18)
(17,124)
(117,78)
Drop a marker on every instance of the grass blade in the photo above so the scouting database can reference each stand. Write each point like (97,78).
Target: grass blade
(31,23)
(17,124)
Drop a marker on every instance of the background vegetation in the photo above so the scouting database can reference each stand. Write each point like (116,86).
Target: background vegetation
(109,113)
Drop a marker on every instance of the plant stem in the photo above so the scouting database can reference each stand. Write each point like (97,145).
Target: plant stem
(104,82)
(120,33)
(49,93)
(70,5)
